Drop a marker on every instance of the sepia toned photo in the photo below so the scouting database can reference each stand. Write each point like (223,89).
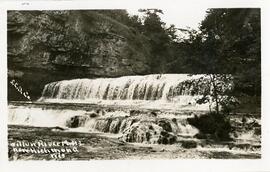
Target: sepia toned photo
(121,84)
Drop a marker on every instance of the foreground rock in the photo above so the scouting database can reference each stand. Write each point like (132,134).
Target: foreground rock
(138,128)
(96,147)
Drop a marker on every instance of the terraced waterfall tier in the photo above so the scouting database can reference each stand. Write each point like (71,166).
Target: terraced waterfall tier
(166,90)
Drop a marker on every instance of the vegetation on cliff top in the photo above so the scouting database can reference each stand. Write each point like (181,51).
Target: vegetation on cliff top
(110,43)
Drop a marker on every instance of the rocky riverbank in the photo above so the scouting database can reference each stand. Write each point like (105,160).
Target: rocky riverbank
(125,133)
(97,146)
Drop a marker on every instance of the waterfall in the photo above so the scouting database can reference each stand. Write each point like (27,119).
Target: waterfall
(117,122)
(132,126)
(20,115)
(179,88)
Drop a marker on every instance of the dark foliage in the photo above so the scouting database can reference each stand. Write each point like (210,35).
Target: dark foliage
(227,42)
(216,125)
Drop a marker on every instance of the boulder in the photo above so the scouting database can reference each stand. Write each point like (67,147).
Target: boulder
(148,132)
(92,114)
(57,128)
(166,125)
(76,121)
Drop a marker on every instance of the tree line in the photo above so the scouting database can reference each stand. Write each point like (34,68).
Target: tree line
(226,48)
(228,41)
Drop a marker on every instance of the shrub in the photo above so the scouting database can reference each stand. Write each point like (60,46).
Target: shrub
(214,124)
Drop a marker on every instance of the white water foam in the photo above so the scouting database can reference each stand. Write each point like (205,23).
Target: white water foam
(34,116)
(20,115)
(170,91)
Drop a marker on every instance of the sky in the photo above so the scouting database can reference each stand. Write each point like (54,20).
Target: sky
(181,18)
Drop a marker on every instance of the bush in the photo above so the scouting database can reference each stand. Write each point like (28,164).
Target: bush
(214,124)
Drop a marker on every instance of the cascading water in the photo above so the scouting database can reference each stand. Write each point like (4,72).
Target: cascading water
(117,122)
(20,115)
(161,92)
(181,89)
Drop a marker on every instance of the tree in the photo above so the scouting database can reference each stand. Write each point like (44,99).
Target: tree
(219,92)
(234,35)
(160,40)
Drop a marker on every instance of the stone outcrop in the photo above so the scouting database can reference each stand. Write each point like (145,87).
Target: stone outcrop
(46,46)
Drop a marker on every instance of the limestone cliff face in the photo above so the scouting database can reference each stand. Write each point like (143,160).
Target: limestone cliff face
(45,46)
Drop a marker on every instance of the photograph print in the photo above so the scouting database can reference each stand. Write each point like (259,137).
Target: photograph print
(121,84)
